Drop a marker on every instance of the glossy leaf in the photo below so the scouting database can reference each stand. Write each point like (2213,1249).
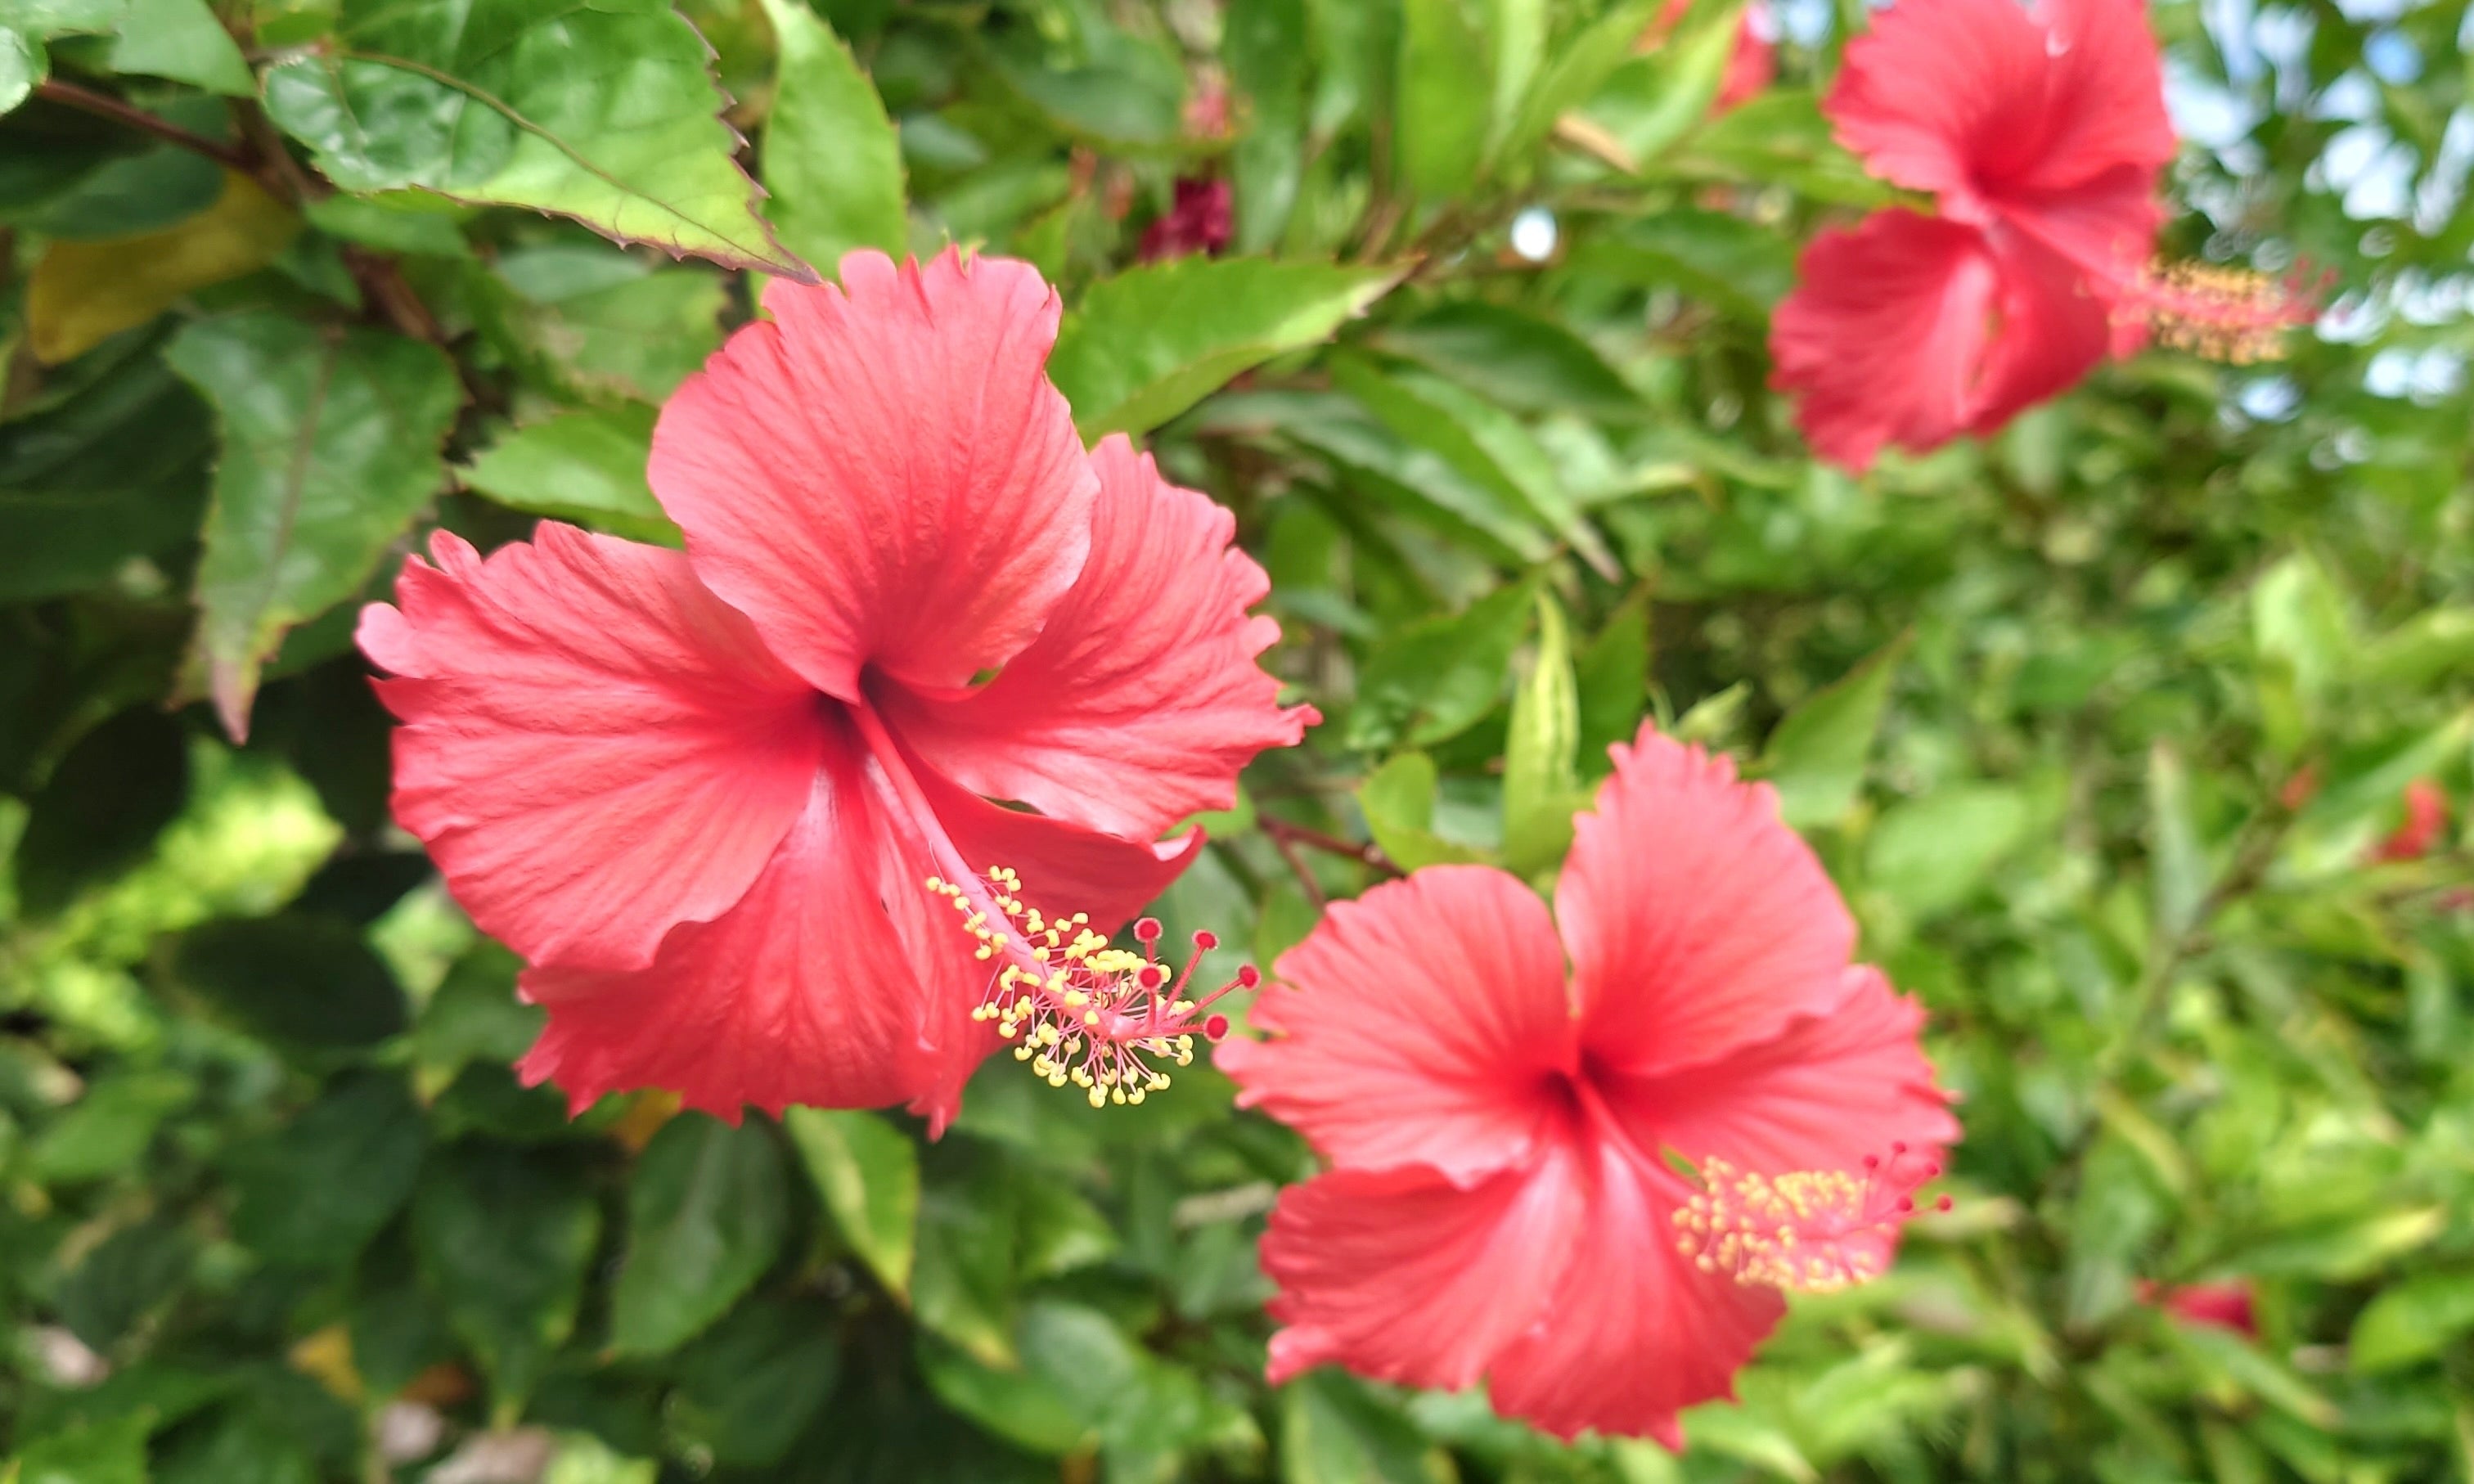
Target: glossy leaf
(1152,341)
(294,979)
(606,115)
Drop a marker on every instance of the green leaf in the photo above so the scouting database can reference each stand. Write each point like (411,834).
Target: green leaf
(601,326)
(706,1215)
(587,467)
(1264,45)
(108,1130)
(605,113)
(1929,854)
(1446,64)
(1737,265)
(1579,68)
(1478,439)
(1651,100)
(1383,467)
(1398,802)
(1434,679)
(1779,137)
(503,1237)
(1612,672)
(1334,1430)
(314,1192)
(748,1386)
(294,979)
(868,1172)
(1015,1404)
(831,162)
(183,41)
(1541,780)
(23,66)
(2411,1321)
(2300,627)
(1815,756)
(1514,358)
(108,1451)
(1152,341)
(330,446)
(103,807)
(473,1015)
(2177,868)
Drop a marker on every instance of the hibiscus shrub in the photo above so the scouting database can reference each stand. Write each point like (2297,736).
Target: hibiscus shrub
(1803,679)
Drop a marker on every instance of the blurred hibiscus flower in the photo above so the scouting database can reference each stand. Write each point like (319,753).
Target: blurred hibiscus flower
(1509,1142)
(701,792)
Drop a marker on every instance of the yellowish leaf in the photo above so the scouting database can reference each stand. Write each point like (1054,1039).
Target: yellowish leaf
(82,293)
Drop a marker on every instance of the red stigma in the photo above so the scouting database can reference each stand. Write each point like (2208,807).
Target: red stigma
(1215,1028)
(1146,929)
(1206,941)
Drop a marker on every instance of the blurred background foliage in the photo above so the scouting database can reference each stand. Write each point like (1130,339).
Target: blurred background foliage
(2139,736)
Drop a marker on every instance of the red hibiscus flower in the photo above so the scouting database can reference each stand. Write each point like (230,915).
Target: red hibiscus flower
(2226,1304)
(701,792)
(2426,820)
(2040,133)
(1502,1201)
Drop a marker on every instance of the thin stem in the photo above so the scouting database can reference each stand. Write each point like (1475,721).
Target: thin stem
(104,105)
(1285,833)
(1298,868)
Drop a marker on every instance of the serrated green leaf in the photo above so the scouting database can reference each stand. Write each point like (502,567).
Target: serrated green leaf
(331,443)
(831,163)
(1152,341)
(1816,755)
(706,1216)
(868,1174)
(584,466)
(1541,780)
(606,113)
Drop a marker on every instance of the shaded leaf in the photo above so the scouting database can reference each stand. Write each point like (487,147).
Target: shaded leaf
(104,806)
(294,979)
(503,1238)
(183,41)
(1514,358)
(748,1386)
(706,1216)
(1398,802)
(330,446)
(1437,678)
(1446,64)
(313,1193)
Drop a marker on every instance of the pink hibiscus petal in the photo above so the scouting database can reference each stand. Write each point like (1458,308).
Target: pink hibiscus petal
(1424,1023)
(594,748)
(1406,1277)
(1697,921)
(1884,336)
(839,981)
(1141,700)
(1826,1093)
(881,474)
(1911,330)
(2103,102)
(1633,1333)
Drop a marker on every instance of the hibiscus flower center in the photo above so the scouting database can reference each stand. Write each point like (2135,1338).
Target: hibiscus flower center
(2224,314)
(1079,1009)
(1807,1231)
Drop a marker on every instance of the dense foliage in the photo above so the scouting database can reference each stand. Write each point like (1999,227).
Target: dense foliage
(2107,726)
